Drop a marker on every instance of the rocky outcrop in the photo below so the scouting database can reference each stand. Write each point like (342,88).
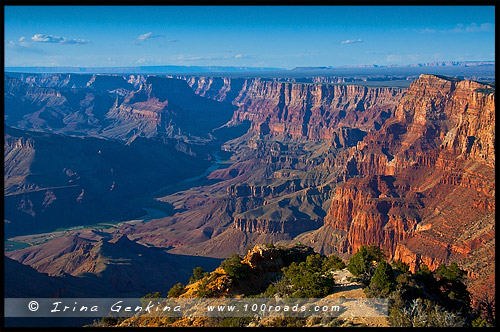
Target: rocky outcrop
(423,186)
(165,107)
(436,118)
(440,124)
(457,116)
(265,266)
(104,83)
(270,259)
(372,210)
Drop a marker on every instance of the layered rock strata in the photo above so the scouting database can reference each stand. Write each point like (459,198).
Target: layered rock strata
(299,110)
(423,186)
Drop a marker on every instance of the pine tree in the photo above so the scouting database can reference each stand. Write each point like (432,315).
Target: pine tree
(383,281)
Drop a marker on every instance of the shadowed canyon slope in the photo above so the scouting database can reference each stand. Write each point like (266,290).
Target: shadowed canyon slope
(335,167)
(119,266)
(137,136)
(54,181)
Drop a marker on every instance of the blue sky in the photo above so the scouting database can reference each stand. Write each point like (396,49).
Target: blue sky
(255,36)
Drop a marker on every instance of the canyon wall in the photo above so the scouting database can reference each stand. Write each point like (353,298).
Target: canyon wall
(127,106)
(423,186)
(299,110)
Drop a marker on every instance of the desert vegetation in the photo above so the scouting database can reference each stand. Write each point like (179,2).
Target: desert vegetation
(422,298)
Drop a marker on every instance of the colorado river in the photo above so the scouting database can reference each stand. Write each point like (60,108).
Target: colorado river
(188,183)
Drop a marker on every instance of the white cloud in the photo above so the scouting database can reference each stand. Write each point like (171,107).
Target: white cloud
(458,29)
(23,46)
(77,41)
(42,38)
(351,41)
(147,36)
(473,27)
(22,42)
(484,27)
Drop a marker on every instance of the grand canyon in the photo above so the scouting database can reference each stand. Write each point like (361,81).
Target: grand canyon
(251,154)
(102,168)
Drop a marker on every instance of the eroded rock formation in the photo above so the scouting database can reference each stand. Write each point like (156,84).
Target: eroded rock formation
(298,110)
(423,186)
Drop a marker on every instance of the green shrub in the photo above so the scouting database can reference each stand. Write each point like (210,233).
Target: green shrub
(426,298)
(303,280)
(333,262)
(383,281)
(423,273)
(361,264)
(203,291)
(450,280)
(176,290)
(314,263)
(147,298)
(400,266)
(198,273)
(450,273)
(235,268)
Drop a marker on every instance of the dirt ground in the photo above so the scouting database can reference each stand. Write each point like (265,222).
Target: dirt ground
(355,315)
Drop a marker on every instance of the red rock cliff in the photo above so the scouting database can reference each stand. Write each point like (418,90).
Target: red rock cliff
(423,186)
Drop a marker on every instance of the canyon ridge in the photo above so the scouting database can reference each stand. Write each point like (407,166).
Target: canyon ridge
(103,168)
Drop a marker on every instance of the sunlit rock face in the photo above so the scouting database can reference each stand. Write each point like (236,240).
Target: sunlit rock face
(423,186)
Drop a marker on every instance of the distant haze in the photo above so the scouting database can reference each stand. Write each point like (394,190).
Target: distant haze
(483,69)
